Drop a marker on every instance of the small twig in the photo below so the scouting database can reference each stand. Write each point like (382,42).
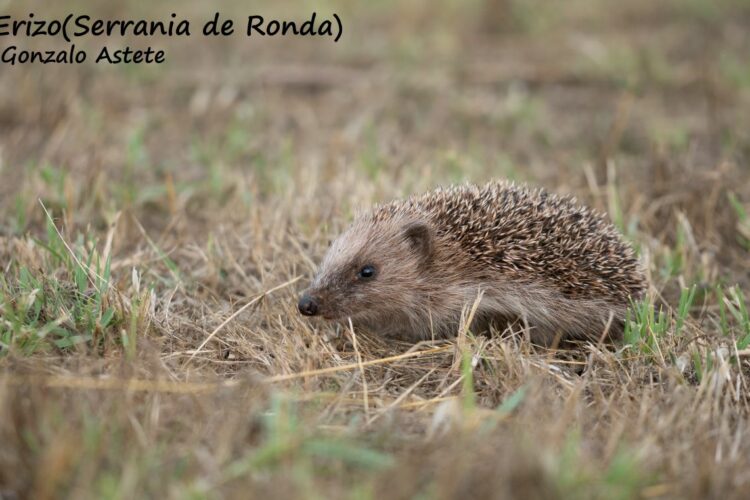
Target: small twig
(132,385)
(88,270)
(352,366)
(397,403)
(141,385)
(426,402)
(237,313)
(361,369)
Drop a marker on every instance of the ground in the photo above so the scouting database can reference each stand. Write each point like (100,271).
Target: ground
(157,223)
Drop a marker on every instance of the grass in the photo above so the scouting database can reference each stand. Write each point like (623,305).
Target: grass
(66,302)
(156,226)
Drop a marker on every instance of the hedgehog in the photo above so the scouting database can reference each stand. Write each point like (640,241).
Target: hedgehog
(411,269)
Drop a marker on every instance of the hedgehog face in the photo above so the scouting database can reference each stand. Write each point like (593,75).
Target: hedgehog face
(369,270)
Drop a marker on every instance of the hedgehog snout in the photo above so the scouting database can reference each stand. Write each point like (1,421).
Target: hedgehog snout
(307,305)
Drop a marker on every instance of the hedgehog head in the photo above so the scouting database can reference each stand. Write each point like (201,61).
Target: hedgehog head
(374,261)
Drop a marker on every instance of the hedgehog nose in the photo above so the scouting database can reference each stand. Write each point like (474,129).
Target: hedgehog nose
(307,305)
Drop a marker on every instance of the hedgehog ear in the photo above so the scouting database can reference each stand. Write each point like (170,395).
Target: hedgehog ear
(419,236)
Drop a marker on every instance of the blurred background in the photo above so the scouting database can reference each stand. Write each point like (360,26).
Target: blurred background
(538,90)
(569,95)
(639,107)
(223,172)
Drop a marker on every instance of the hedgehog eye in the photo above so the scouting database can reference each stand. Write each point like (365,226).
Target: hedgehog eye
(366,272)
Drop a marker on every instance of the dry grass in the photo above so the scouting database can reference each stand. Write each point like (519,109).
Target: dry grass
(157,223)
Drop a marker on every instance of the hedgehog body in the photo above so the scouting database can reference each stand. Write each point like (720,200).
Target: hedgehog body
(411,268)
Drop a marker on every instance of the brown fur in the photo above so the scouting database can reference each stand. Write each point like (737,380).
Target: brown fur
(558,268)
